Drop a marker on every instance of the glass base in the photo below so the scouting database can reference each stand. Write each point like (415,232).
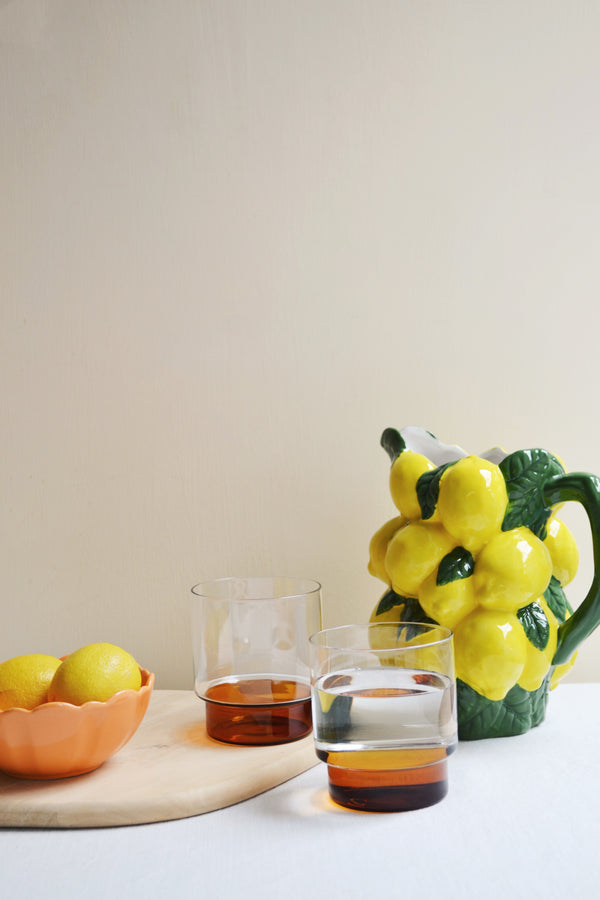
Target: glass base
(397,790)
(257,725)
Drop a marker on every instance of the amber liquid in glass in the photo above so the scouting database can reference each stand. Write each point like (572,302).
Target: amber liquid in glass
(387,780)
(258,710)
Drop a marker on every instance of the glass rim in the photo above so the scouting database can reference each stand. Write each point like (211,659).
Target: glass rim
(316,641)
(202,690)
(205,590)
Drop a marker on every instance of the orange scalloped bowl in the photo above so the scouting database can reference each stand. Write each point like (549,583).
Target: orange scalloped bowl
(58,740)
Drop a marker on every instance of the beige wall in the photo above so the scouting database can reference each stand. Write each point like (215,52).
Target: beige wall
(237,240)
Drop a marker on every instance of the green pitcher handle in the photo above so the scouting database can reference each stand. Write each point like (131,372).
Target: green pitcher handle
(585,489)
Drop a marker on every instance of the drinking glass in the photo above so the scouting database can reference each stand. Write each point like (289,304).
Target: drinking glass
(251,662)
(384,713)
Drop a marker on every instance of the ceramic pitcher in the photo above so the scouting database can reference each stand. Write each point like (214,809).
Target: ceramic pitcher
(477,545)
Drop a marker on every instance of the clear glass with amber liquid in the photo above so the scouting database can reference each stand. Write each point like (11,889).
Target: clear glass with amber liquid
(258,709)
(251,656)
(385,733)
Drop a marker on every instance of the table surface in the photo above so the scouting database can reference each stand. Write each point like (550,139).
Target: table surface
(520,821)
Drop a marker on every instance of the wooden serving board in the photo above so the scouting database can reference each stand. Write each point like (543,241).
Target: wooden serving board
(170,769)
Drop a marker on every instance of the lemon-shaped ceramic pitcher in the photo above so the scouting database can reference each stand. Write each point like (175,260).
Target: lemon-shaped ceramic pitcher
(477,545)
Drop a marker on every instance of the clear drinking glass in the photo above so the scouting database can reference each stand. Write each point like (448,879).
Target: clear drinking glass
(251,660)
(384,713)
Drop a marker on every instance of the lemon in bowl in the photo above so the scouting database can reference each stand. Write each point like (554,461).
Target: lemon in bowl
(24,680)
(63,738)
(94,672)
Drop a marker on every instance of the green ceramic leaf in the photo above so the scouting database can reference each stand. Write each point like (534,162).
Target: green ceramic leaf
(409,610)
(393,443)
(457,564)
(535,624)
(413,611)
(413,614)
(539,701)
(476,714)
(428,489)
(388,601)
(519,711)
(525,473)
(556,599)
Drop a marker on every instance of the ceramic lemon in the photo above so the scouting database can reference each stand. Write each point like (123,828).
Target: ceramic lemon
(477,546)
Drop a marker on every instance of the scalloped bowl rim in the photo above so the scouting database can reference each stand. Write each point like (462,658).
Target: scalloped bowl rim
(147,685)
(81,738)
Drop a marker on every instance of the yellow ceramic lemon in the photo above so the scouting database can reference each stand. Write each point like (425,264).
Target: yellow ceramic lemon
(379,544)
(426,655)
(491,649)
(447,603)
(512,570)
(404,474)
(537,662)
(562,547)
(472,501)
(413,553)
(559,672)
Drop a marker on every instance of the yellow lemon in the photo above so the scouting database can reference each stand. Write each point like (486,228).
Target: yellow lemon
(491,649)
(537,662)
(560,671)
(95,672)
(325,700)
(413,553)
(404,474)
(563,550)
(379,544)
(426,652)
(24,680)
(447,603)
(512,570)
(472,501)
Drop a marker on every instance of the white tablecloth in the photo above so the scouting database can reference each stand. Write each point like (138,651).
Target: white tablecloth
(521,820)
